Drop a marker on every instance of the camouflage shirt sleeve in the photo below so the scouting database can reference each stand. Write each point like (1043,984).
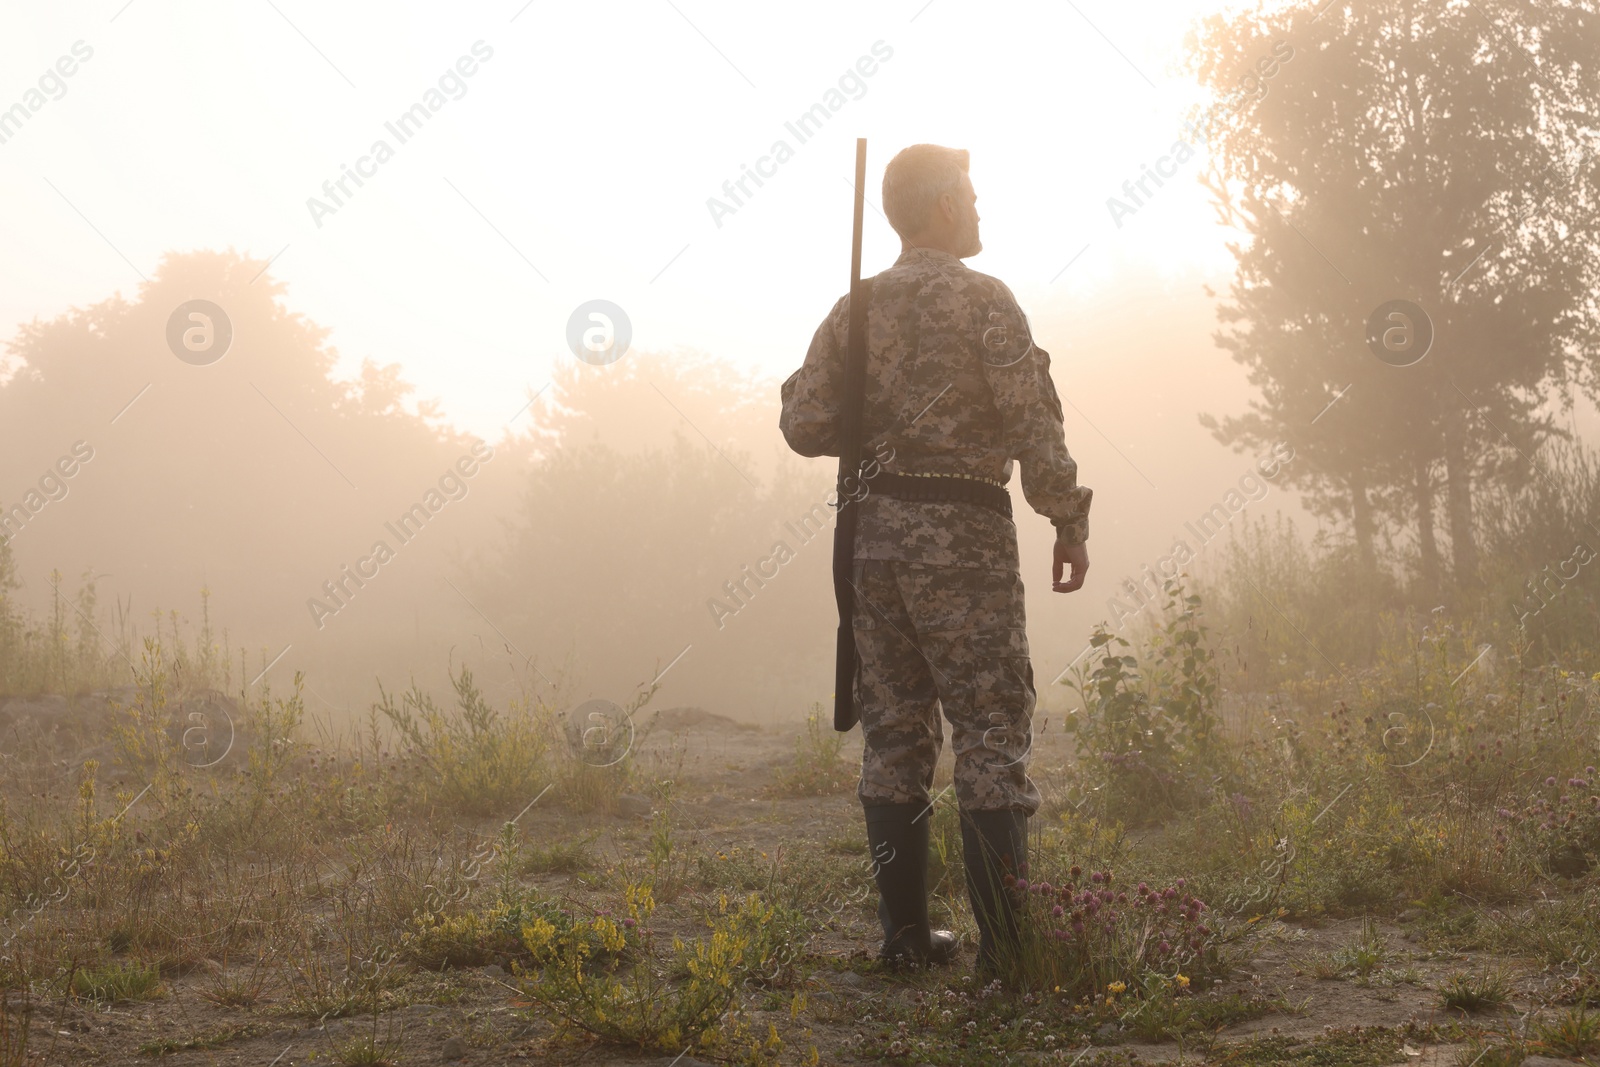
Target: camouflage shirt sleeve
(1032,426)
(810,416)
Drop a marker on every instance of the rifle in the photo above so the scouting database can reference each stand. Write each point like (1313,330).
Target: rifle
(845,713)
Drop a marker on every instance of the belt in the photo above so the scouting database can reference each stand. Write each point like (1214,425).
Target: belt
(953,488)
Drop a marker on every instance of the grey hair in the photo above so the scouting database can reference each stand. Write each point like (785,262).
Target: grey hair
(915,179)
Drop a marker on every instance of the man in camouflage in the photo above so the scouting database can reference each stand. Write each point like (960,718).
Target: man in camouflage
(956,391)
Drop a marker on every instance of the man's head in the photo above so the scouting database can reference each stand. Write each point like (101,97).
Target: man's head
(929,200)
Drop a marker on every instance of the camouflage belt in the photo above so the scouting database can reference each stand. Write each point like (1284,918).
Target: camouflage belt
(944,488)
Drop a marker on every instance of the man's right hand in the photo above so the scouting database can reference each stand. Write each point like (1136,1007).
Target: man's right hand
(1075,556)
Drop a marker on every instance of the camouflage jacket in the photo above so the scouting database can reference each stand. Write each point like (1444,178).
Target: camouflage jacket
(955,385)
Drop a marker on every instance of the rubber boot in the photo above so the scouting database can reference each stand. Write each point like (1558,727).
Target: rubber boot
(994,844)
(897,835)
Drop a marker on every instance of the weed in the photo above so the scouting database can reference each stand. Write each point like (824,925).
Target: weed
(1364,954)
(14,1031)
(560,857)
(816,768)
(167,1046)
(1468,993)
(477,760)
(658,999)
(113,982)
(1574,1032)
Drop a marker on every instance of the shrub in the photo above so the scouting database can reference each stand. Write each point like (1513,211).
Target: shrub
(616,981)
(476,761)
(1147,740)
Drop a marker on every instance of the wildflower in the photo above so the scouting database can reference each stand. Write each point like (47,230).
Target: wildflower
(1118,987)
(1550,780)
(1055,912)
(1095,878)
(1183,981)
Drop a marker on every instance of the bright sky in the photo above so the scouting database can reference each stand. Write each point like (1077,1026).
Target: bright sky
(578,162)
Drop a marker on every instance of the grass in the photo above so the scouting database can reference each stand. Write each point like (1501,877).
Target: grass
(817,767)
(1362,957)
(1469,993)
(14,1031)
(1574,1032)
(167,1046)
(347,876)
(1374,1047)
(118,981)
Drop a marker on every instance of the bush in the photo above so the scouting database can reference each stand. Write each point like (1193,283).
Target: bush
(476,761)
(616,981)
(1148,742)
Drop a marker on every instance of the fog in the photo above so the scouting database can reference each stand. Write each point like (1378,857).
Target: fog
(397,368)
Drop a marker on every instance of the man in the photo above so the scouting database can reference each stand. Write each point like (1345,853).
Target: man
(956,390)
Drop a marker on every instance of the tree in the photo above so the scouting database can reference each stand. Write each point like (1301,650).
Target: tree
(257,475)
(1435,153)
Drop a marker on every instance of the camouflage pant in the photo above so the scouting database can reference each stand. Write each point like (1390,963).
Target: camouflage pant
(931,637)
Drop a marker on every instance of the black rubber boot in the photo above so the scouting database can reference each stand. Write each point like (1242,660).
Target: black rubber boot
(897,835)
(994,844)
